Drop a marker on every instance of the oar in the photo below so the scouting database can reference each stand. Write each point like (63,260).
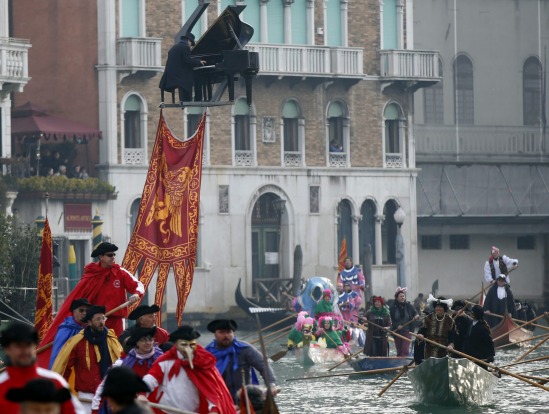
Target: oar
(524,340)
(532,349)
(287,328)
(517,320)
(543,358)
(401,372)
(343,374)
(270,326)
(519,327)
(279,355)
(276,338)
(542,380)
(533,370)
(151,404)
(347,358)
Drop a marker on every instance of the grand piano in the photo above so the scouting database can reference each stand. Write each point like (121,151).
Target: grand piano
(222,47)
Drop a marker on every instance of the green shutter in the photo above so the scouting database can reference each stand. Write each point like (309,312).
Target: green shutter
(190,5)
(290,110)
(299,22)
(334,23)
(133,103)
(130,18)
(389,25)
(335,110)
(241,107)
(250,15)
(275,13)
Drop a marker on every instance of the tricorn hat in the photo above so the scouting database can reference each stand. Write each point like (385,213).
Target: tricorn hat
(79,302)
(225,324)
(184,332)
(92,310)
(39,390)
(18,332)
(143,310)
(103,248)
(123,381)
(139,333)
(189,36)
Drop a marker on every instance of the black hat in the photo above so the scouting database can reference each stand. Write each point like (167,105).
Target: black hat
(458,304)
(188,36)
(502,276)
(79,302)
(478,312)
(227,324)
(122,381)
(19,332)
(139,333)
(185,332)
(103,248)
(92,310)
(143,310)
(39,390)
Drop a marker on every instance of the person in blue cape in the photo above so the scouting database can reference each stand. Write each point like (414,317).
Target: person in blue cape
(70,326)
(233,356)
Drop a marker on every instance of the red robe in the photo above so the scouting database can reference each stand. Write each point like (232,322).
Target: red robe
(101,286)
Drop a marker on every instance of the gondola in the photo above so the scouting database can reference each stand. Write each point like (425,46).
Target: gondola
(508,332)
(267,315)
(452,381)
(308,356)
(371,363)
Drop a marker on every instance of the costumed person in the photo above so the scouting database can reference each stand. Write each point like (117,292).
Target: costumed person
(463,326)
(349,302)
(480,344)
(302,328)
(233,356)
(325,306)
(186,377)
(19,344)
(377,342)
(70,326)
(121,388)
(402,313)
(103,282)
(257,395)
(89,354)
(499,300)
(144,317)
(39,396)
(521,311)
(327,335)
(352,274)
(140,358)
(497,265)
(439,327)
(179,71)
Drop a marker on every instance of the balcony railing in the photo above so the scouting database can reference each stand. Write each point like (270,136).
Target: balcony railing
(473,142)
(293,159)
(337,159)
(394,160)
(139,54)
(244,158)
(417,65)
(14,64)
(134,156)
(298,60)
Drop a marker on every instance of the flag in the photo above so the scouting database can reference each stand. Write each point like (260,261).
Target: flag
(342,255)
(166,229)
(43,316)
(245,404)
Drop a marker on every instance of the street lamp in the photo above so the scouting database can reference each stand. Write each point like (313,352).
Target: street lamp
(399,217)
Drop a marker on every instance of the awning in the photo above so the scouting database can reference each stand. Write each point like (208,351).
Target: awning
(30,121)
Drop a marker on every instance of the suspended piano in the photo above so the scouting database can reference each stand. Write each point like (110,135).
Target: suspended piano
(222,47)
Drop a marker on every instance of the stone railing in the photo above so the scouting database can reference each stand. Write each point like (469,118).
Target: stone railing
(244,158)
(14,63)
(337,159)
(393,160)
(134,156)
(139,53)
(303,60)
(293,159)
(409,64)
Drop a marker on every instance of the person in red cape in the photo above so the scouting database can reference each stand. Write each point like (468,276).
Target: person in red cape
(103,282)
(186,377)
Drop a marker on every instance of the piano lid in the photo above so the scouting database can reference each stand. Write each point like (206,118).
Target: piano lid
(218,37)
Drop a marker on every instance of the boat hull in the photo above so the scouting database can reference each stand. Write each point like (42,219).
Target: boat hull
(452,381)
(308,356)
(371,363)
(506,332)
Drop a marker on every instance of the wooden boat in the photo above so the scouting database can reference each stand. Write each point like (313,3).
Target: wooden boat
(370,363)
(508,332)
(308,356)
(267,315)
(452,381)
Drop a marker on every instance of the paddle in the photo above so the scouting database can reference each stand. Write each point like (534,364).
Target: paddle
(347,358)
(285,329)
(370,372)
(524,340)
(279,355)
(532,349)
(517,320)
(518,327)
(401,372)
(543,358)
(270,326)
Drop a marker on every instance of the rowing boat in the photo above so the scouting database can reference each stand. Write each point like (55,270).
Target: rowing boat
(370,363)
(452,381)
(508,332)
(309,355)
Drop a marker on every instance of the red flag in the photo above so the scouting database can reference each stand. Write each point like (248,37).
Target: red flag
(245,404)
(43,315)
(166,229)
(342,256)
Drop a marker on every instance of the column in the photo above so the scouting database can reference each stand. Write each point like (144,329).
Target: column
(344,25)
(5,126)
(264,28)
(400,23)
(310,22)
(356,250)
(411,138)
(288,21)
(379,253)
(402,140)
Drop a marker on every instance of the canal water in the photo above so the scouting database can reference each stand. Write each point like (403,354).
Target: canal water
(342,395)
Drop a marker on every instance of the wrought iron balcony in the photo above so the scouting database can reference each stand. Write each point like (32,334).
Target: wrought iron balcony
(139,54)
(419,66)
(14,64)
(304,60)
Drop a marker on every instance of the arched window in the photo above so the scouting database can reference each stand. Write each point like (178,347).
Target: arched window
(134,211)
(244,134)
(393,132)
(275,11)
(464,92)
(338,135)
(333,26)
(292,132)
(134,120)
(299,22)
(389,232)
(433,101)
(345,227)
(367,230)
(531,92)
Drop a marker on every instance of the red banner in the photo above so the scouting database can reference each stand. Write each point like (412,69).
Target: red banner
(166,229)
(78,217)
(342,255)
(43,316)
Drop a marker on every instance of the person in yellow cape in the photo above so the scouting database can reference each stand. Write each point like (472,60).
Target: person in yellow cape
(88,355)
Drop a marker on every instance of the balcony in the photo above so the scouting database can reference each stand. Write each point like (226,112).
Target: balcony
(134,156)
(394,160)
(139,54)
(244,158)
(14,64)
(482,143)
(308,61)
(293,159)
(337,159)
(419,67)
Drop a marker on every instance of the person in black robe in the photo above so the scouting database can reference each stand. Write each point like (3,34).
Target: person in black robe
(499,300)
(179,71)
(463,325)
(480,344)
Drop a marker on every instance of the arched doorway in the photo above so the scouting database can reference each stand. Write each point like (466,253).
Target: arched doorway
(389,232)
(367,230)
(345,227)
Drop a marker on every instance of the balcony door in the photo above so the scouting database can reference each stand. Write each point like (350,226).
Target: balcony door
(131,18)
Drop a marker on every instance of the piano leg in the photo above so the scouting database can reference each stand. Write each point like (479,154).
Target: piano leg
(248,81)
(230,85)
